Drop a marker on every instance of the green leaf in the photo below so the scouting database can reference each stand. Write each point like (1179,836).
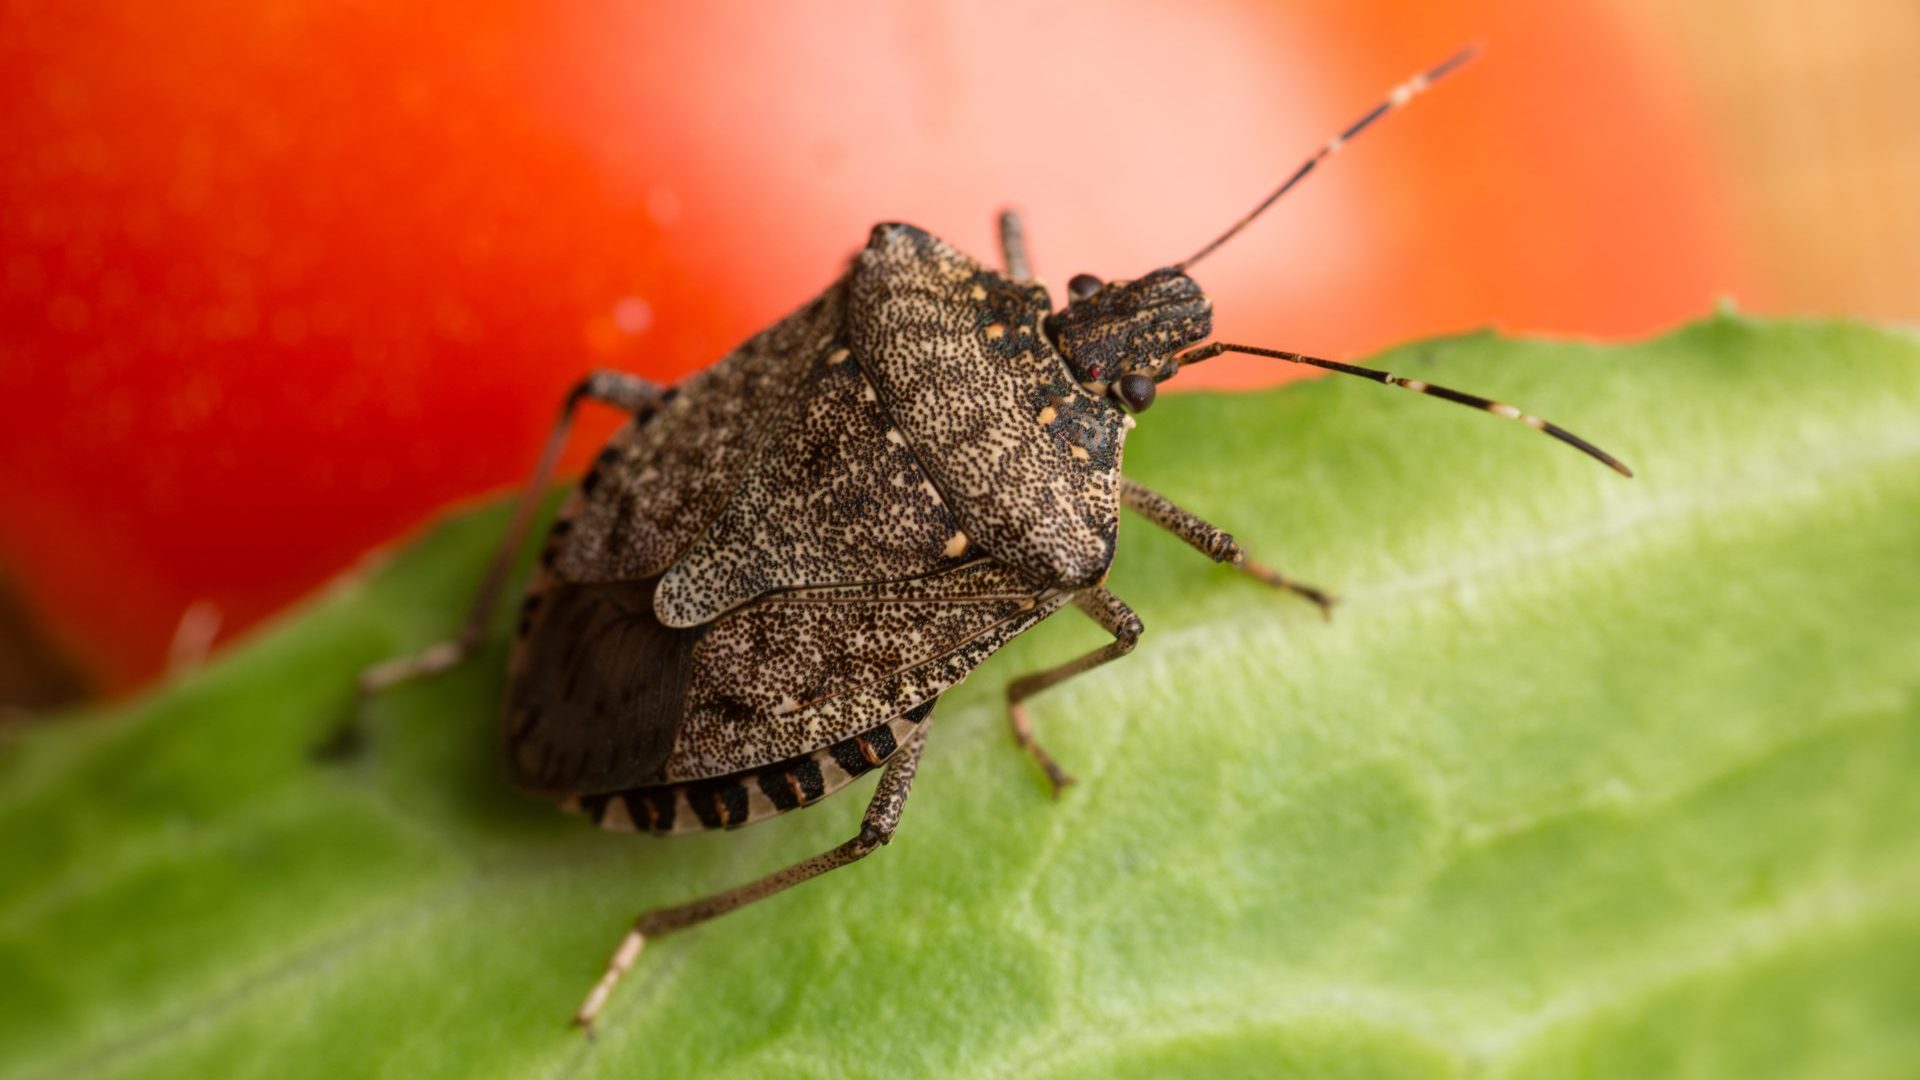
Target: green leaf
(1587,775)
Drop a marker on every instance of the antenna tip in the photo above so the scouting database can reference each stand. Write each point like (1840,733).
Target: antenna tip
(1467,52)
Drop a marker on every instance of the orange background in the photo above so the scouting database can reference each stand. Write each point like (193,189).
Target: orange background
(280,280)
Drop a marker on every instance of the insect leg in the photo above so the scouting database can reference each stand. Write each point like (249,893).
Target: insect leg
(1212,541)
(1115,617)
(876,829)
(1013,246)
(619,389)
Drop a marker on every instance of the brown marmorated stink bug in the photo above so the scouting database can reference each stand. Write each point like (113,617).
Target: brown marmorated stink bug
(771,574)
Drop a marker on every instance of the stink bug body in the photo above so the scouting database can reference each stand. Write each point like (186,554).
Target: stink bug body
(769,576)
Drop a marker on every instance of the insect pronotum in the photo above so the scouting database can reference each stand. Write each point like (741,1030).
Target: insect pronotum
(769,576)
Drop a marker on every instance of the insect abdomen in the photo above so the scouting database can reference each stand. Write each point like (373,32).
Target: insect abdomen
(728,802)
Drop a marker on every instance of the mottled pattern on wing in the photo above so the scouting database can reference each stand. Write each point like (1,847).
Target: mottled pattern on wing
(1029,462)
(661,483)
(832,497)
(802,670)
(598,700)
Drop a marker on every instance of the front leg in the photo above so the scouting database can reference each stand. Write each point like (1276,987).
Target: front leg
(1013,246)
(1212,541)
(1116,618)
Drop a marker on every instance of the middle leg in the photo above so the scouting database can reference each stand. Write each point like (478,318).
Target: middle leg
(1116,618)
(629,393)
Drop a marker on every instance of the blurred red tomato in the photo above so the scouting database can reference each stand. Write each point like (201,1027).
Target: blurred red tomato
(280,279)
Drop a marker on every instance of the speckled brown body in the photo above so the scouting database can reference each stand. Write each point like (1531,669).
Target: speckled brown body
(765,581)
(772,573)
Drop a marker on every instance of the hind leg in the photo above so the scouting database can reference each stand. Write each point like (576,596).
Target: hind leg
(876,829)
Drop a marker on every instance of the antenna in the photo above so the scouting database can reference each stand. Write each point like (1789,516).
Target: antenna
(1395,98)
(1418,386)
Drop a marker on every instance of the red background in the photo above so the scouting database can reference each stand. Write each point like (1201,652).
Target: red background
(282,279)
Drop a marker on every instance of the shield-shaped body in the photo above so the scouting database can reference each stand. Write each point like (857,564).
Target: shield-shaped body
(763,585)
